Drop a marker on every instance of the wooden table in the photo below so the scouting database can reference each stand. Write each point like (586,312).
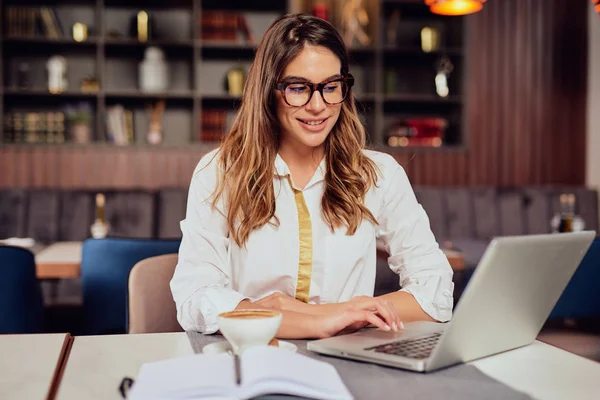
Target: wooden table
(63,259)
(59,261)
(31,365)
(97,364)
(455,258)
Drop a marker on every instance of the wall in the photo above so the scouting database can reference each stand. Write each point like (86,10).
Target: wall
(527,99)
(593,102)
(525,115)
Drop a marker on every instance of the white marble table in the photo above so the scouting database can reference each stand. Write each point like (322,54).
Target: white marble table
(97,365)
(545,372)
(29,364)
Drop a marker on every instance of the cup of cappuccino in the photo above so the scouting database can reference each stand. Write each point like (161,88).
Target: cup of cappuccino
(249,328)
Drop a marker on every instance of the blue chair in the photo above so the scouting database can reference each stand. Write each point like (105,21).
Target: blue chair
(105,267)
(581,298)
(21,304)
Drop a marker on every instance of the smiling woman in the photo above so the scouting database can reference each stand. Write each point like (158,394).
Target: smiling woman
(286,213)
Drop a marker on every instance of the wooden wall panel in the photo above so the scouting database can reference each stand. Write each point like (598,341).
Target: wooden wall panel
(526,66)
(526,92)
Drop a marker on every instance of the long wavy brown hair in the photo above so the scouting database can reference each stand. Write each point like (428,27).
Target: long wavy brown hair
(247,153)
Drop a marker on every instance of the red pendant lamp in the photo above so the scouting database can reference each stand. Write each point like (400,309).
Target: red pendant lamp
(455,7)
(596,5)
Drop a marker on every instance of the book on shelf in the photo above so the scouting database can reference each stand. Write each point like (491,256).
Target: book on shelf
(224,26)
(34,127)
(262,371)
(29,22)
(51,23)
(119,125)
(422,132)
(214,125)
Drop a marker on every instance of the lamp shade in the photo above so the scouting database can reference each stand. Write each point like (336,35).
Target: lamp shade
(596,5)
(454,7)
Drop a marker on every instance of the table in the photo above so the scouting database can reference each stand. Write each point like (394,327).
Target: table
(97,364)
(456,259)
(30,365)
(59,261)
(63,260)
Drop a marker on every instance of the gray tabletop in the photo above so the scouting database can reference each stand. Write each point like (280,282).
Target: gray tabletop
(370,381)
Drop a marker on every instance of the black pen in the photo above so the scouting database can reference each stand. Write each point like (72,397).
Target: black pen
(238,373)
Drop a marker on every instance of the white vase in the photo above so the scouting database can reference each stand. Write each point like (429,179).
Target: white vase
(153,71)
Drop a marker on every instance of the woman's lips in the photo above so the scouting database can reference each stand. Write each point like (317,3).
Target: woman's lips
(313,125)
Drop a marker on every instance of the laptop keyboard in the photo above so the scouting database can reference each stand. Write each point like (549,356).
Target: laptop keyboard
(413,348)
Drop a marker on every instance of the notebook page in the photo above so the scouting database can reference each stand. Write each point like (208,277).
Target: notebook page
(198,375)
(273,370)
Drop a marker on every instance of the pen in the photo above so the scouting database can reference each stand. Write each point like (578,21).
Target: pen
(238,374)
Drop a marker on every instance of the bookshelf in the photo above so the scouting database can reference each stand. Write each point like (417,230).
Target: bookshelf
(395,78)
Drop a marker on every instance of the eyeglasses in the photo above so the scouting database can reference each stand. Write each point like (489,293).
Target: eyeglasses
(298,94)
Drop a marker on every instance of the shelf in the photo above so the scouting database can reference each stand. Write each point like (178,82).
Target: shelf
(46,40)
(245,5)
(227,50)
(45,45)
(221,101)
(125,42)
(421,98)
(46,3)
(134,94)
(414,50)
(45,93)
(150,4)
(199,66)
(131,48)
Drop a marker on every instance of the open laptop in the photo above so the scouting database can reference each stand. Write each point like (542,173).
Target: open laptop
(509,297)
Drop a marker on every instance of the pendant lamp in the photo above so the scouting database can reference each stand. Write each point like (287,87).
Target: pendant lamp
(455,7)
(596,5)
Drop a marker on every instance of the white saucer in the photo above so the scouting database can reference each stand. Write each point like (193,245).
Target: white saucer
(224,347)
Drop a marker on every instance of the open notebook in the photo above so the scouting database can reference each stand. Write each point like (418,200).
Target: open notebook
(263,370)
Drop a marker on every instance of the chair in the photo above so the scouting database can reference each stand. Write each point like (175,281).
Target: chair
(151,305)
(105,268)
(579,302)
(581,297)
(21,305)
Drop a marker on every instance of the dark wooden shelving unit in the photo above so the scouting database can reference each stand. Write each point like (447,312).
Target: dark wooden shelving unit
(198,67)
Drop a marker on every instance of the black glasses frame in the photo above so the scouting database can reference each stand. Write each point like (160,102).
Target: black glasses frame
(348,80)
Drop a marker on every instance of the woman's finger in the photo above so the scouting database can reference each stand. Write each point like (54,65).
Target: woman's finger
(386,313)
(375,320)
(396,322)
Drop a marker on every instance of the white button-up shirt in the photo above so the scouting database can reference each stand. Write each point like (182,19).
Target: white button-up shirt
(214,274)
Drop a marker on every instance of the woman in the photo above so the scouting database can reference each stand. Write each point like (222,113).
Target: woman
(286,213)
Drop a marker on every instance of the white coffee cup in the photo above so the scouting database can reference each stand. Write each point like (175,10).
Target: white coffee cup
(249,328)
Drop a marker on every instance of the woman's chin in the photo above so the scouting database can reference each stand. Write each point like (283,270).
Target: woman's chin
(314,141)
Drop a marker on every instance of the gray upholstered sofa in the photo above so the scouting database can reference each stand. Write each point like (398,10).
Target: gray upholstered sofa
(468,217)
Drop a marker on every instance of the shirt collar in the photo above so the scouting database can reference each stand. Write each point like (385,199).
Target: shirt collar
(282,170)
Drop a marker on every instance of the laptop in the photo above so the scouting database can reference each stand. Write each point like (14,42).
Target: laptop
(508,299)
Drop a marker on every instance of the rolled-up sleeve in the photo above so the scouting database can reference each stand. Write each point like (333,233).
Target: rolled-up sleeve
(415,255)
(201,282)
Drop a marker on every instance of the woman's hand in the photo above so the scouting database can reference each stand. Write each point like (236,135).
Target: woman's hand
(382,307)
(282,302)
(347,322)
